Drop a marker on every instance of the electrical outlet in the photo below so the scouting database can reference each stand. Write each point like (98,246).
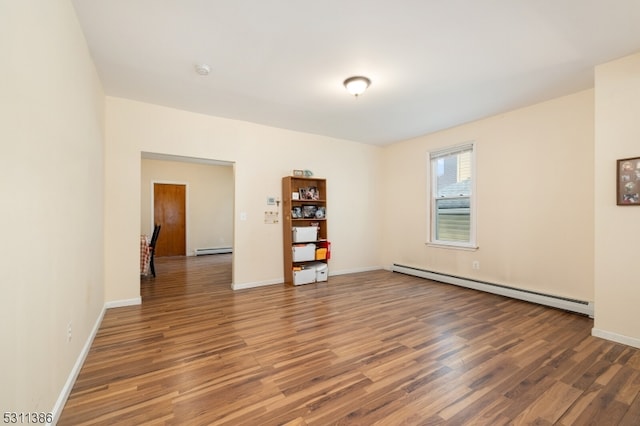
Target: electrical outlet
(475,264)
(69,332)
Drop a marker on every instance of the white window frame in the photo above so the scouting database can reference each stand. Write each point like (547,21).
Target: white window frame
(432,196)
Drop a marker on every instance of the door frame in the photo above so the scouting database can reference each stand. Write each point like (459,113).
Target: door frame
(186,208)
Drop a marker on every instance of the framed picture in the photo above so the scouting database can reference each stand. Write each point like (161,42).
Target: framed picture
(628,182)
(310,193)
(313,193)
(296,212)
(298,172)
(309,212)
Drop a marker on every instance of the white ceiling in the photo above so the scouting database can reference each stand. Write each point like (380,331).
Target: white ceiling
(433,63)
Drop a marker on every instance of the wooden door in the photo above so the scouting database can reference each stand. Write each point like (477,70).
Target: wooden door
(169,210)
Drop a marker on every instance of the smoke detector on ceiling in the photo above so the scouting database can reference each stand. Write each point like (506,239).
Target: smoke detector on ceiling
(203,69)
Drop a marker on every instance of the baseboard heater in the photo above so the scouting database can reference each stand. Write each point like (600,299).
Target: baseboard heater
(212,250)
(573,305)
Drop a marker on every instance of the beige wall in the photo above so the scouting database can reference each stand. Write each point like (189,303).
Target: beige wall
(534,199)
(262,156)
(617,282)
(51,181)
(209,200)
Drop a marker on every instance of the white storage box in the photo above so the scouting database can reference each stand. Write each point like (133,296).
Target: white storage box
(304,234)
(322,272)
(304,276)
(304,252)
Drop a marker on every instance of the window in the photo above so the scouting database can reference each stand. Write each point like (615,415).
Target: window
(452,203)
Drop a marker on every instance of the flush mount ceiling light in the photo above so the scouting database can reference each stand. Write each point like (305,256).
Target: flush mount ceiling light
(357,85)
(203,69)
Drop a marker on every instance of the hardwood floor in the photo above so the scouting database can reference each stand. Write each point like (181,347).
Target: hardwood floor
(362,349)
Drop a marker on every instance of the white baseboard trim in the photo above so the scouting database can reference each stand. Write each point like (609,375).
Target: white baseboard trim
(244,286)
(212,250)
(615,337)
(354,270)
(122,303)
(66,389)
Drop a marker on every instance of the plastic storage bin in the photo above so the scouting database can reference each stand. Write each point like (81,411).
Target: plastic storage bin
(304,252)
(304,276)
(304,234)
(322,272)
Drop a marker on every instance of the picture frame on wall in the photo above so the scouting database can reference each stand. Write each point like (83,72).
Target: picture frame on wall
(628,182)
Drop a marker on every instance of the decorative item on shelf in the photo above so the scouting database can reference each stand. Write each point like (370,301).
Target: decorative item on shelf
(295,195)
(628,182)
(313,192)
(309,193)
(321,212)
(298,173)
(296,212)
(309,212)
(307,173)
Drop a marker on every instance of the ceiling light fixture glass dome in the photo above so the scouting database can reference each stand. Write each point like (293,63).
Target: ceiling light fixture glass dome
(357,85)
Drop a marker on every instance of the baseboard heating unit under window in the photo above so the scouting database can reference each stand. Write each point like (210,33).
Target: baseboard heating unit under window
(212,250)
(573,305)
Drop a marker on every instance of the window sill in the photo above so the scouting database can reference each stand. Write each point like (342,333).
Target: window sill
(465,247)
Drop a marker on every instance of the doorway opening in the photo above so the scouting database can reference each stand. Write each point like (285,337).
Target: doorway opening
(193,200)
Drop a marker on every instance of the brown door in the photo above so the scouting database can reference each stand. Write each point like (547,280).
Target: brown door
(169,211)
